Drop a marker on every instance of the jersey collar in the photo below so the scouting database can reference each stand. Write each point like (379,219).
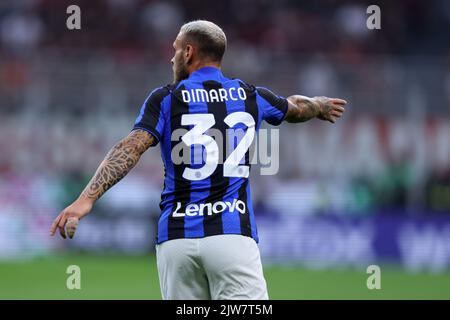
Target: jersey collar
(207,73)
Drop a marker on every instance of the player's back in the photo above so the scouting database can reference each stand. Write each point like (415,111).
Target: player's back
(206,124)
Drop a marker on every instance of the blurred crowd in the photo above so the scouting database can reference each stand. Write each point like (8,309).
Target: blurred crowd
(285,27)
(318,47)
(67,95)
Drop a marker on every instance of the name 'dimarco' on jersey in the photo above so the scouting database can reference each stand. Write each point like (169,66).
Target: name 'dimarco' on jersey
(213,95)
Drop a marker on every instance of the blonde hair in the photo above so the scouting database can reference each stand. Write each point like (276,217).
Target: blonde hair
(208,36)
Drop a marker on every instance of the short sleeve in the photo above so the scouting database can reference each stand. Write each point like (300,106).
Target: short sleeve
(272,106)
(151,118)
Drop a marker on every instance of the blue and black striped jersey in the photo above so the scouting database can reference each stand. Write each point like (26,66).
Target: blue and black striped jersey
(205,125)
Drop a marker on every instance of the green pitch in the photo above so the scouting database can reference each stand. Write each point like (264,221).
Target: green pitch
(120,277)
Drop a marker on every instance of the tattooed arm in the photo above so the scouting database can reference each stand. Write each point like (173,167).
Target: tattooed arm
(117,163)
(301,108)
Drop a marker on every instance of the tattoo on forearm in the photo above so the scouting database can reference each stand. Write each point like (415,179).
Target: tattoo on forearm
(118,162)
(304,109)
(308,109)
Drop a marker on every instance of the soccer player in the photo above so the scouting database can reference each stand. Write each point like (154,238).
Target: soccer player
(207,237)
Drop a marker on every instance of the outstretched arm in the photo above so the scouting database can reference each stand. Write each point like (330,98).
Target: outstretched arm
(117,163)
(301,108)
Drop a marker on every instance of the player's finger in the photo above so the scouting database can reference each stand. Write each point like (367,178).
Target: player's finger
(336,114)
(62,232)
(61,225)
(62,221)
(339,108)
(54,225)
(331,119)
(71,226)
(338,101)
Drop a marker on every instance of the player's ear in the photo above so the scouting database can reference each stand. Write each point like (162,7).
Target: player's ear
(188,54)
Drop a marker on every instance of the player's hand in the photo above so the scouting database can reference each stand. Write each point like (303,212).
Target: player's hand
(330,108)
(68,219)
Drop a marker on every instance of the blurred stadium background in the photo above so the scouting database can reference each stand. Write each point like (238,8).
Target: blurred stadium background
(371,189)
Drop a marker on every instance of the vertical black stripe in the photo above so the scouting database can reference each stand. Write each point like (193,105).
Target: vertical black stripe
(212,224)
(244,219)
(273,99)
(182,187)
(276,102)
(252,108)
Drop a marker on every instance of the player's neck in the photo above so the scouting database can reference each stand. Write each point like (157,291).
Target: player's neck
(200,64)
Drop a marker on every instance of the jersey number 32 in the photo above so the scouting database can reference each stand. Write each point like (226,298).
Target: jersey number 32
(201,123)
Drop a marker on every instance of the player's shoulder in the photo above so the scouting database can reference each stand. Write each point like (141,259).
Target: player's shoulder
(161,92)
(245,85)
(157,95)
(252,87)
(258,90)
